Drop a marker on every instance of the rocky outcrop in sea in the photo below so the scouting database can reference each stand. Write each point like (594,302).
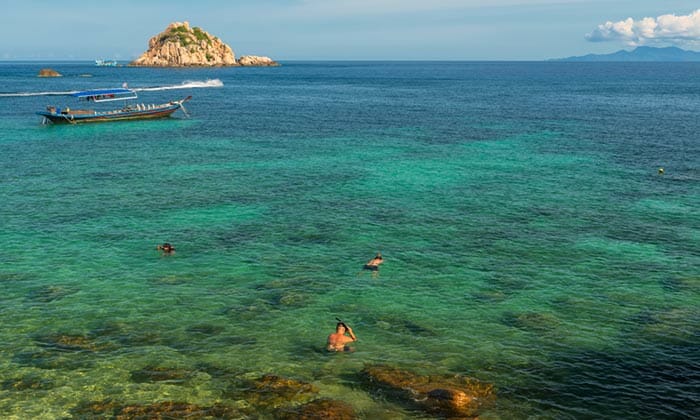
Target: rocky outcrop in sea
(256,60)
(49,73)
(182,46)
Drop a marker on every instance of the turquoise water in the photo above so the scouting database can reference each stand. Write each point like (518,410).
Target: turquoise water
(529,240)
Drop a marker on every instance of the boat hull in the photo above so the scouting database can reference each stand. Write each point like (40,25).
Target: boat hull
(82,118)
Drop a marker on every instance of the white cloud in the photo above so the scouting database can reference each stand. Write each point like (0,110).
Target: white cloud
(663,30)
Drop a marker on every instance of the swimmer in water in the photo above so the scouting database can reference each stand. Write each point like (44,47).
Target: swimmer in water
(166,248)
(373,264)
(338,341)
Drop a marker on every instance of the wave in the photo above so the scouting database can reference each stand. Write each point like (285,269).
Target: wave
(189,84)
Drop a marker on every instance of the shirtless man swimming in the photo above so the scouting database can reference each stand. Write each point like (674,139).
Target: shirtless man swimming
(338,340)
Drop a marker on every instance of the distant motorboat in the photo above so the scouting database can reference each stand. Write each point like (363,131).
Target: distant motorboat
(130,111)
(106,63)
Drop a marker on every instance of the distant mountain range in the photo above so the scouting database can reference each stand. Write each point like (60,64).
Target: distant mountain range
(640,54)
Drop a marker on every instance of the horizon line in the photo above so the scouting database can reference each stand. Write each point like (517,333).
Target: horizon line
(351,60)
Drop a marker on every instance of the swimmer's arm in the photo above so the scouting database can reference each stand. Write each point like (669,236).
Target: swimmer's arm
(352,334)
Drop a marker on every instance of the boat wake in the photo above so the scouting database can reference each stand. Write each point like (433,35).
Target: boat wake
(190,84)
(5,95)
(209,83)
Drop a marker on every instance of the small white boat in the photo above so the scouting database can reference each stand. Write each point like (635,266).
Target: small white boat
(106,63)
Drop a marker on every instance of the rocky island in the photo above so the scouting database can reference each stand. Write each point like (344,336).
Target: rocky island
(181,46)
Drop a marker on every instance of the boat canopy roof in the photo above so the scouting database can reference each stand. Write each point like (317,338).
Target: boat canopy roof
(103,95)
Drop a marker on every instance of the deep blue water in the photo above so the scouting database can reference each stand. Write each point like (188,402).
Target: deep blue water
(529,238)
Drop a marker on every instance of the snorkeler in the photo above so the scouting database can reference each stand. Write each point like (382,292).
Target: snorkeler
(166,247)
(373,264)
(338,341)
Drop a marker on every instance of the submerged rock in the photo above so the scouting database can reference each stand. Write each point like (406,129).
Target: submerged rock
(176,410)
(532,321)
(161,374)
(158,410)
(255,310)
(403,326)
(16,277)
(319,409)
(93,409)
(488,296)
(33,382)
(680,284)
(218,372)
(272,391)
(678,325)
(129,335)
(62,351)
(291,298)
(46,294)
(70,343)
(237,340)
(205,329)
(447,396)
(43,359)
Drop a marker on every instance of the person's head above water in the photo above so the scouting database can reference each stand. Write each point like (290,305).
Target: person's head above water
(167,247)
(338,340)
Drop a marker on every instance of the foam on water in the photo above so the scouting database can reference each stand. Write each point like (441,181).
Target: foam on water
(193,84)
(26,94)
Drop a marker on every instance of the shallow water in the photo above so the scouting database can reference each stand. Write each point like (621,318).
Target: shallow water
(529,240)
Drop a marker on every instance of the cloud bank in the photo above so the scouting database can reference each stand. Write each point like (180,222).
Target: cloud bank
(663,30)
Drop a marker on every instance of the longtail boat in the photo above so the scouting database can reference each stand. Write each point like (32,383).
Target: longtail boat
(130,111)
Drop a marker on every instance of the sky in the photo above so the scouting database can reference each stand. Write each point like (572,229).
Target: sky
(351,29)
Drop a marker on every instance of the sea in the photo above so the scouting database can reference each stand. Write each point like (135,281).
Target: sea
(539,223)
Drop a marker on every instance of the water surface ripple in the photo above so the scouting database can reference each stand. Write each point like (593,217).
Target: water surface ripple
(529,240)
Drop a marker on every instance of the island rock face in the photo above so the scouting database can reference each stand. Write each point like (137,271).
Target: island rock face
(256,60)
(181,46)
(49,73)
